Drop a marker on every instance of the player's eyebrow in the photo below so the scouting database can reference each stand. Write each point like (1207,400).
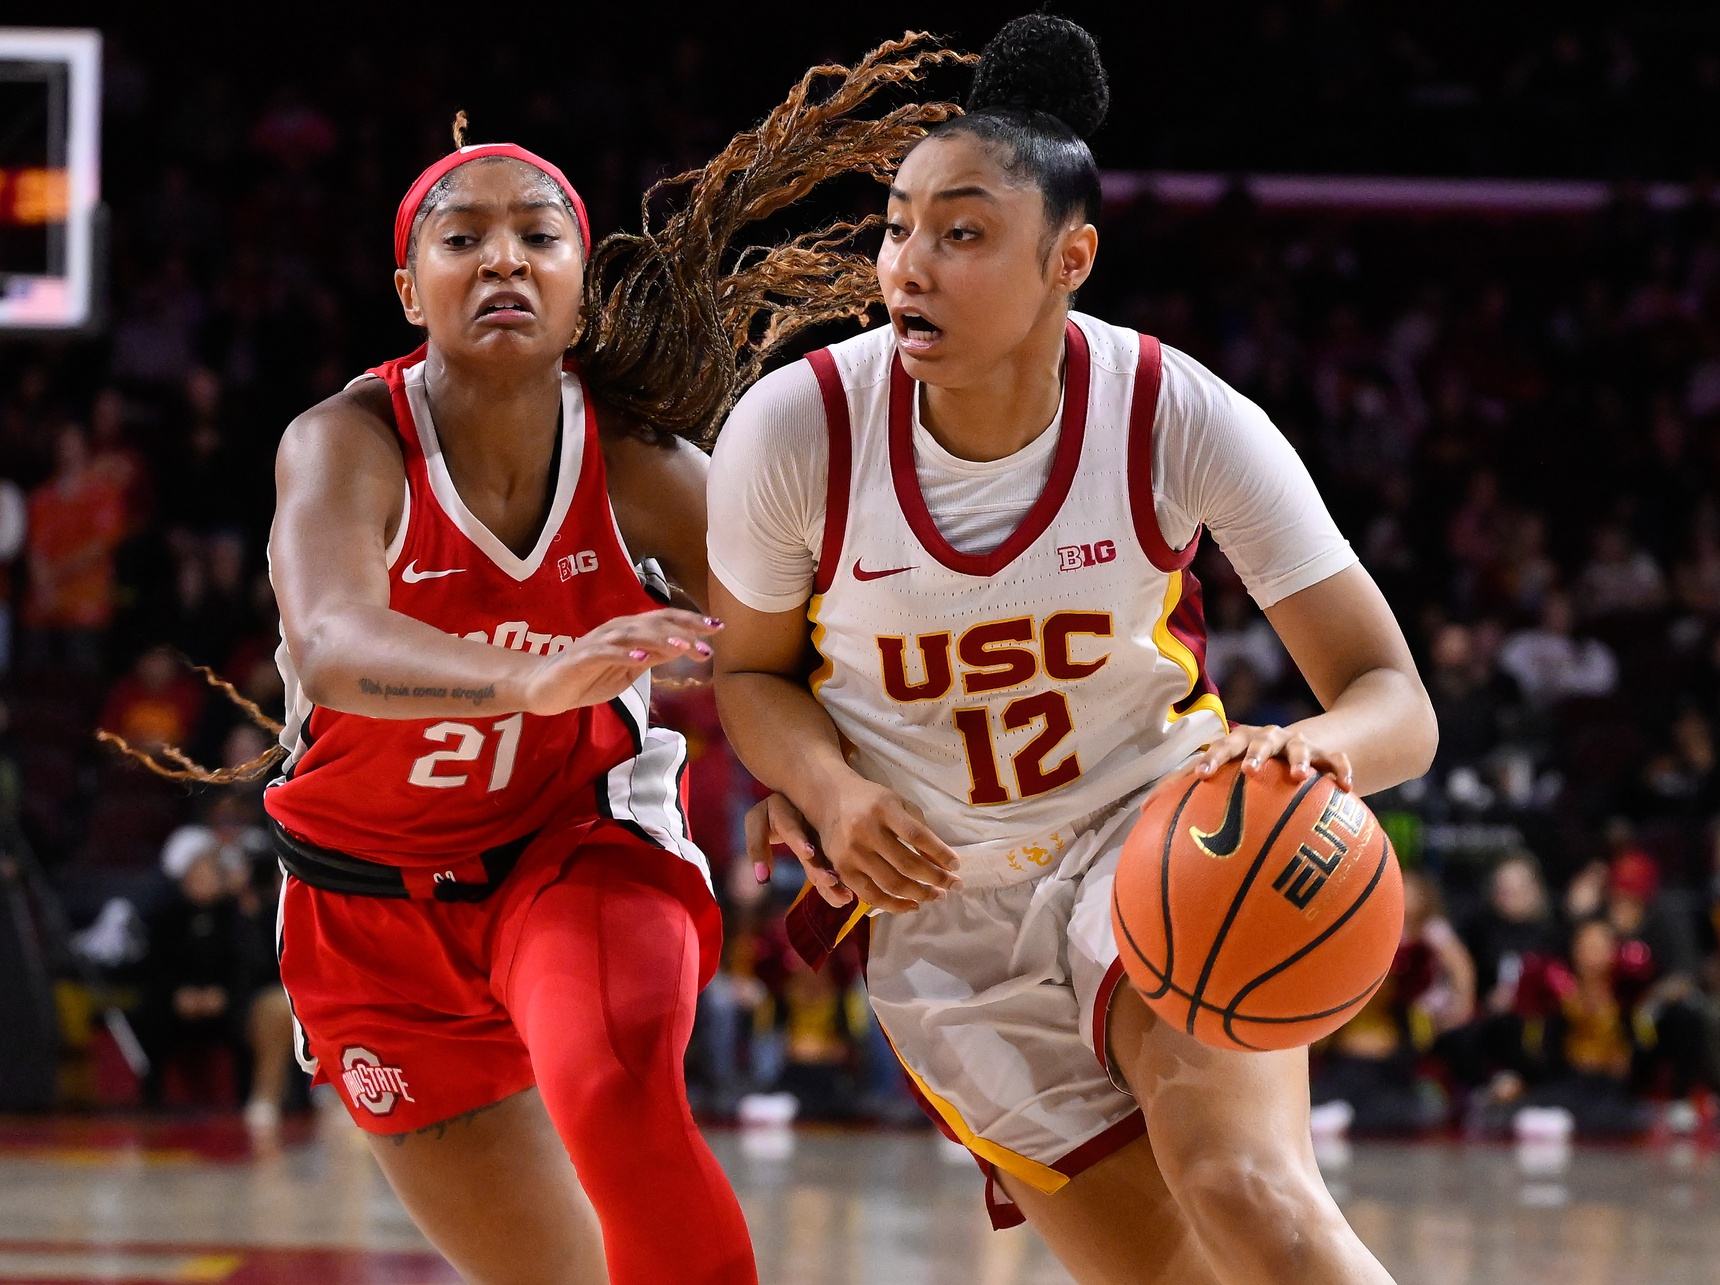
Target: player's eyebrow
(948,194)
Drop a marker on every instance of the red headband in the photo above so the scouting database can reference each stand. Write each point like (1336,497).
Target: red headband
(477,152)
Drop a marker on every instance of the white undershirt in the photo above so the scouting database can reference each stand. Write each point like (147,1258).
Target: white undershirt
(976,504)
(1217,460)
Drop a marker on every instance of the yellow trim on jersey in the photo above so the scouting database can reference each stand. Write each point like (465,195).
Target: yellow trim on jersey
(1039,1177)
(861,910)
(822,674)
(1173,649)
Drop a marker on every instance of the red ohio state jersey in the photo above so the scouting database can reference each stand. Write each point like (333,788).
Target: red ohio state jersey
(416,792)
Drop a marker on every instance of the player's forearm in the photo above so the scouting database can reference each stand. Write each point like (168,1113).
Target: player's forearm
(1385,723)
(366,659)
(782,735)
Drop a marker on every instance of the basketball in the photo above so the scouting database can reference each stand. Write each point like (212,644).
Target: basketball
(1257,911)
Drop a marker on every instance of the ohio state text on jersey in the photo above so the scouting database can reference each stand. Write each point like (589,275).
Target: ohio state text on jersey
(415,792)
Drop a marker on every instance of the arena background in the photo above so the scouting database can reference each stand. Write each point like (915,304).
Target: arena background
(1508,391)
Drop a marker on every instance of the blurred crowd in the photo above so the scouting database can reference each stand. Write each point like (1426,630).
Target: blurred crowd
(1515,419)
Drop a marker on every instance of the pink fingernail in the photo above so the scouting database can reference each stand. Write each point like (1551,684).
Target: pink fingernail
(761,872)
(636,654)
(713,622)
(702,649)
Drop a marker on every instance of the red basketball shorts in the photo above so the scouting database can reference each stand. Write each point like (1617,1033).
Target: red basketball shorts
(400,1003)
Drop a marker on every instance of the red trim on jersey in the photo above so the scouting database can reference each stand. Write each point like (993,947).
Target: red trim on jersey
(1076,386)
(841,470)
(1188,626)
(1143,407)
(1102,1010)
(1005,1213)
(1096,1148)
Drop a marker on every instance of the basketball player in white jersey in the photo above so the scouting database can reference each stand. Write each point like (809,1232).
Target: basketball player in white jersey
(963,641)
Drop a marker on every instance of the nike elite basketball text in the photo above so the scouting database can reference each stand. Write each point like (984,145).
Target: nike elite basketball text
(1254,910)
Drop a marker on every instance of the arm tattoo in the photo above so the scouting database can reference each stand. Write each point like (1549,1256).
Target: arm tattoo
(389,691)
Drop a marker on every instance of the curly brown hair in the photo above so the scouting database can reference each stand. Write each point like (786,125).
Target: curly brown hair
(676,324)
(677,321)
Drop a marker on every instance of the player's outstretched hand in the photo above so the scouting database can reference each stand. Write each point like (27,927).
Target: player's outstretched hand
(607,661)
(1254,745)
(881,848)
(775,820)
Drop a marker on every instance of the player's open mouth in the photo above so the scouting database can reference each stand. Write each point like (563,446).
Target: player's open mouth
(505,305)
(916,335)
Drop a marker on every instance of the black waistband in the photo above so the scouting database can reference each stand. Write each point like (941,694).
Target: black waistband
(331,871)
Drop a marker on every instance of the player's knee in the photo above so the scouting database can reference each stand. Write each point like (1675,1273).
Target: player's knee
(608,1115)
(1264,1199)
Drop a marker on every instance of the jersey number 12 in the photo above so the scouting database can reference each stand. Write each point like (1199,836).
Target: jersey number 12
(1031,775)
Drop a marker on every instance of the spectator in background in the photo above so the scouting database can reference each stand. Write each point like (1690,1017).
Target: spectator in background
(211,975)
(14,523)
(1516,924)
(1526,577)
(1466,696)
(1657,946)
(77,520)
(1696,579)
(1514,935)
(1621,577)
(1369,1076)
(194,984)
(157,704)
(203,489)
(212,595)
(117,460)
(1249,700)
(1678,783)
(1241,634)
(155,336)
(1550,665)
(1580,1040)
(1475,537)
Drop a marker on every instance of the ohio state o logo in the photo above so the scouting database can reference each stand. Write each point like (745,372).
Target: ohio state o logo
(370,1084)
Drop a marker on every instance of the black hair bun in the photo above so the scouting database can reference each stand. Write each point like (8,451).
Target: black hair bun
(1042,63)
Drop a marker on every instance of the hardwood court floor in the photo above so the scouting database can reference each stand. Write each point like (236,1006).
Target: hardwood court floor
(157,1203)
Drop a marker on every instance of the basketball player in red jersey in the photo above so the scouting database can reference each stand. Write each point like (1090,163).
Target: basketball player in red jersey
(962,637)
(496,924)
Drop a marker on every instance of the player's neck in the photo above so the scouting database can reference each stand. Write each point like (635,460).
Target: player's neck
(494,426)
(1005,409)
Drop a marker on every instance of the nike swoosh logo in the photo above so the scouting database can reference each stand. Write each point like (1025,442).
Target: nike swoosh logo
(412,575)
(1224,841)
(860,573)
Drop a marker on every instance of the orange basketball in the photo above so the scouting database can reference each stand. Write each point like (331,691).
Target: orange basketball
(1257,911)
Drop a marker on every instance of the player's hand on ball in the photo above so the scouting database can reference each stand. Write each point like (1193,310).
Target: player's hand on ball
(881,848)
(1255,745)
(775,820)
(607,661)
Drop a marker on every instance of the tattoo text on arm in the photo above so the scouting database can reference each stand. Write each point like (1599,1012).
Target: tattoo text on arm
(391,691)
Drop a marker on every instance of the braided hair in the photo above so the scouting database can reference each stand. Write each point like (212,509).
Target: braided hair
(675,327)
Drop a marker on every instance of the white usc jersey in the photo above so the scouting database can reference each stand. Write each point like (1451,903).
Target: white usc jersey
(1008,693)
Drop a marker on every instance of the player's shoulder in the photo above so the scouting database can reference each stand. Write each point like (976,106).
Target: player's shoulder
(785,410)
(863,360)
(356,424)
(1113,350)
